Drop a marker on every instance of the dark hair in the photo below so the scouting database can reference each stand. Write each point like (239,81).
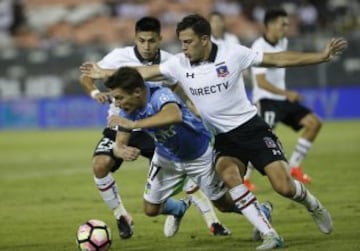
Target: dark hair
(197,23)
(126,78)
(148,24)
(216,13)
(273,14)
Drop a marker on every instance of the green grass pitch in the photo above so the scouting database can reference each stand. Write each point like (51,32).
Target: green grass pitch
(47,191)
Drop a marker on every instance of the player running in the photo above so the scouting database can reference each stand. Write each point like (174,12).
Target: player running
(274,101)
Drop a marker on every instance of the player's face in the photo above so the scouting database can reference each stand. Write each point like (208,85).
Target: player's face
(280,27)
(217,25)
(192,45)
(147,43)
(129,102)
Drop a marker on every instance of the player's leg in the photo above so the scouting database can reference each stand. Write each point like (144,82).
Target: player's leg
(300,117)
(233,154)
(164,180)
(282,183)
(269,159)
(312,125)
(205,207)
(103,163)
(238,199)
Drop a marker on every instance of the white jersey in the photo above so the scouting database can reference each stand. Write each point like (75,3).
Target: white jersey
(217,87)
(127,56)
(227,38)
(275,76)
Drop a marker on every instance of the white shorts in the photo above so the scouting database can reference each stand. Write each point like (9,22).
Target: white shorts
(166,177)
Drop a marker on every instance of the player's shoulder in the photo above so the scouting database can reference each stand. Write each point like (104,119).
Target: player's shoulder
(259,42)
(231,38)
(165,55)
(122,50)
(230,49)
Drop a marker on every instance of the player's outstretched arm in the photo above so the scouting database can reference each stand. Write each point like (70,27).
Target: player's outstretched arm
(335,47)
(94,71)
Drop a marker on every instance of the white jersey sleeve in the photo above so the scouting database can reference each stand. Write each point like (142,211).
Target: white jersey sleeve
(258,70)
(167,69)
(115,59)
(247,57)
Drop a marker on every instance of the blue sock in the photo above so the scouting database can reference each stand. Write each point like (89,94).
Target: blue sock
(174,207)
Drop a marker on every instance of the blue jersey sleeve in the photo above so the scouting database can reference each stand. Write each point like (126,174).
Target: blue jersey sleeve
(162,97)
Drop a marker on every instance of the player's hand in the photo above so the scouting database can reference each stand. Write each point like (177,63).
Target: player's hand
(293,96)
(102,97)
(92,70)
(126,153)
(114,121)
(335,47)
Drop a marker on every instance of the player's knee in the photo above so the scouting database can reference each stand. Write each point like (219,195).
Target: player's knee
(313,123)
(100,167)
(151,210)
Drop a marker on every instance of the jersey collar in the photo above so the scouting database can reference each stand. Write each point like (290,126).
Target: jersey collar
(211,58)
(155,60)
(269,42)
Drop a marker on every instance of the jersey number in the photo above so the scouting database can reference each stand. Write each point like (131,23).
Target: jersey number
(269,117)
(154,170)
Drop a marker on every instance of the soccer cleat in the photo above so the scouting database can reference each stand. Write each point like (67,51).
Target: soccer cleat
(250,186)
(322,218)
(266,208)
(172,223)
(271,241)
(298,174)
(125,226)
(217,229)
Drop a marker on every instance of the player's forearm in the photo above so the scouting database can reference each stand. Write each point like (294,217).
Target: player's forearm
(163,118)
(149,72)
(293,58)
(88,84)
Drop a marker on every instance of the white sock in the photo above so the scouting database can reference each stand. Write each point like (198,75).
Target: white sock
(109,193)
(301,149)
(246,202)
(203,204)
(304,197)
(199,199)
(249,170)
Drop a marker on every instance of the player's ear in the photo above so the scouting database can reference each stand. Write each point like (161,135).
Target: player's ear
(138,92)
(204,39)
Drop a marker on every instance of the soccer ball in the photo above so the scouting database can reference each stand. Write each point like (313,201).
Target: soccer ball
(94,235)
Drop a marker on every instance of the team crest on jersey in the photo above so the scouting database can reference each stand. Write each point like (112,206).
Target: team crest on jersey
(164,98)
(222,71)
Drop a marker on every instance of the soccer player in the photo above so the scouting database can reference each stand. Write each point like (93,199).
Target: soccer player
(182,148)
(145,52)
(211,76)
(218,30)
(277,104)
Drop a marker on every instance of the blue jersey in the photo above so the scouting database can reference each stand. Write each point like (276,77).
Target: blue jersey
(183,141)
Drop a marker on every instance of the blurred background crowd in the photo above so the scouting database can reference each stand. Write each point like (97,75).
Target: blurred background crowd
(43,42)
(46,24)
